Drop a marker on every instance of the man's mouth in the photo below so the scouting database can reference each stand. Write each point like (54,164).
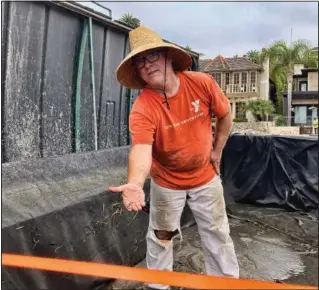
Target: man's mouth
(153,72)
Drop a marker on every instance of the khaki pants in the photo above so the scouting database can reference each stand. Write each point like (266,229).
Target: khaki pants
(208,207)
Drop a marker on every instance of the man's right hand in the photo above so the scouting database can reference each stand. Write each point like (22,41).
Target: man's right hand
(132,194)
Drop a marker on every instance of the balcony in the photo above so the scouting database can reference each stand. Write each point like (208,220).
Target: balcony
(243,88)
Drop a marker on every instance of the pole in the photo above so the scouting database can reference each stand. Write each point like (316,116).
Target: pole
(93,81)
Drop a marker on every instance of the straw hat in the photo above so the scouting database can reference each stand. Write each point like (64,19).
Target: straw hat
(142,39)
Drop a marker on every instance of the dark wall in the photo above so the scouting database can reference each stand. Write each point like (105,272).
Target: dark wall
(41,50)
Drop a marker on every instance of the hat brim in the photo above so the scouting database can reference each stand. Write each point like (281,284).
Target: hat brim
(125,72)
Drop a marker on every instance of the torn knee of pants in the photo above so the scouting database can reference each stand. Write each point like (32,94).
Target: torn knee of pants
(165,235)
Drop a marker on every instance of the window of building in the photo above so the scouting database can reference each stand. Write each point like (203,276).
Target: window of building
(253,77)
(227,78)
(218,78)
(244,78)
(303,86)
(300,114)
(240,110)
(236,78)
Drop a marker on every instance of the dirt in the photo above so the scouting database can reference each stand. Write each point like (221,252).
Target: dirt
(271,244)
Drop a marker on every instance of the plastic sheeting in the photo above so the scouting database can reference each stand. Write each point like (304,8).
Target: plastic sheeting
(59,207)
(95,230)
(272,170)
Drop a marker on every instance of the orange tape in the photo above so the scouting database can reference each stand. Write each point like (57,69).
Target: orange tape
(176,279)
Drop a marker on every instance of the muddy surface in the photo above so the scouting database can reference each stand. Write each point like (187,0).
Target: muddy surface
(271,244)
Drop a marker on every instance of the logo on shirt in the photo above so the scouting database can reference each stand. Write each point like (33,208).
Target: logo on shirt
(196,105)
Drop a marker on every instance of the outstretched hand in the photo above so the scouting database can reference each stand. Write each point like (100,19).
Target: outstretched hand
(132,194)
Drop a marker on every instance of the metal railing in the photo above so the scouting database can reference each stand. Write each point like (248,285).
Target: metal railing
(241,88)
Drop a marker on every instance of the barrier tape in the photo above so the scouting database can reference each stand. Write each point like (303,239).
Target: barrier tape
(177,279)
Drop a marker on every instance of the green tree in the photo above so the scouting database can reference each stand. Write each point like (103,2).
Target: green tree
(254,56)
(130,20)
(259,109)
(282,58)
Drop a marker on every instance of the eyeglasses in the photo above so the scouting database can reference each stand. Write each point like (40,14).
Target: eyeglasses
(139,62)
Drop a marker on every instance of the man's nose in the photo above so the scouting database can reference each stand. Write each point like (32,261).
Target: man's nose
(147,64)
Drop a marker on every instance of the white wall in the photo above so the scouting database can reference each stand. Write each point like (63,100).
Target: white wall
(298,68)
(312,81)
(264,80)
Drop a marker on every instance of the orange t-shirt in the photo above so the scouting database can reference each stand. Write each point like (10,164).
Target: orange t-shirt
(182,136)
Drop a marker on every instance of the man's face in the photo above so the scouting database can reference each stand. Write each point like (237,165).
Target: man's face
(150,65)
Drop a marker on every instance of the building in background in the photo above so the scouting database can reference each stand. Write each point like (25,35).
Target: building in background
(240,79)
(304,100)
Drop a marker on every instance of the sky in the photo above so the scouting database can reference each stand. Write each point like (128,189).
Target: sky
(225,28)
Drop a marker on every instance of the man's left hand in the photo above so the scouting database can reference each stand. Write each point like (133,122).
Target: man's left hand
(215,158)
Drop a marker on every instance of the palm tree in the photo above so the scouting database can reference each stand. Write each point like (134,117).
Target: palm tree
(130,20)
(282,58)
(278,78)
(254,56)
(259,108)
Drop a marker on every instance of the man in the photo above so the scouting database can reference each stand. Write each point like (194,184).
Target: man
(170,125)
(315,125)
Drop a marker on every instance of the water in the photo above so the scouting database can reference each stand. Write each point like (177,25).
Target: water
(272,258)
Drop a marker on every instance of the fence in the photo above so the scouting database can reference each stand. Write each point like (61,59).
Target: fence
(59,89)
(243,88)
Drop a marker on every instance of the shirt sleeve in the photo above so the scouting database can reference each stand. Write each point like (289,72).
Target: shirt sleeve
(219,102)
(142,128)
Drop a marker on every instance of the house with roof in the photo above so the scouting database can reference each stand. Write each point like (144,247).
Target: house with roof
(304,99)
(240,79)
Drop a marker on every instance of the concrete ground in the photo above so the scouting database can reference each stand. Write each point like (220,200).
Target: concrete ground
(271,244)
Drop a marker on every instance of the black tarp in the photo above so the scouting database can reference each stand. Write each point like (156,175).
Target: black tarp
(59,207)
(272,170)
